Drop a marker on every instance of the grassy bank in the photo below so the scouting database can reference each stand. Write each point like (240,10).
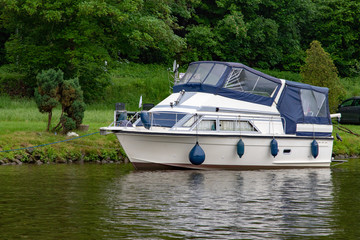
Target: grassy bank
(22,126)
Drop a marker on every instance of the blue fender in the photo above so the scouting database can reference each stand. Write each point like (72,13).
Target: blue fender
(197,155)
(240,148)
(274,147)
(314,148)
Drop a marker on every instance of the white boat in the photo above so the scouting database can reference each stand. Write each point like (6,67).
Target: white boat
(224,115)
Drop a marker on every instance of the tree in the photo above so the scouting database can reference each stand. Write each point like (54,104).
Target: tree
(46,94)
(53,89)
(80,36)
(73,106)
(320,70)
(337,26)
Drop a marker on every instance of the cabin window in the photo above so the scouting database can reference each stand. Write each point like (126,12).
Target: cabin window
(313,103)
(245,81)
(207,125)
(231,125)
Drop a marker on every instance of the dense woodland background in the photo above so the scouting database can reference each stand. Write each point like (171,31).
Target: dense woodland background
(90,39)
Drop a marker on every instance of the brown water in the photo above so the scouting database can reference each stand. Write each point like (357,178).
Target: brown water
(111,202)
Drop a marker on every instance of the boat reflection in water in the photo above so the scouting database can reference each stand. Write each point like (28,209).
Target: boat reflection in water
(225,115)
(224,204)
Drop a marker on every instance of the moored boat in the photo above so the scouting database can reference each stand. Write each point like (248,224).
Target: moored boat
(224,115)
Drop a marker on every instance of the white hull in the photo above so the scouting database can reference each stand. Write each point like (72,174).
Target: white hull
(149,150)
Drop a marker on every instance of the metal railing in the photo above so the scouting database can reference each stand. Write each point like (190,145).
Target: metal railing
(178,120)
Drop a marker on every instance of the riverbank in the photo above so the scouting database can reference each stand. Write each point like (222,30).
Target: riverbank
(40,147)
(22,126)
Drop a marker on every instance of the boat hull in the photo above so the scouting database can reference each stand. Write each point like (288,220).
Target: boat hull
(147,150)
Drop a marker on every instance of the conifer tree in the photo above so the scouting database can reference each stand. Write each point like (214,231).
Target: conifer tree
(53,89)
(320,70)
(73,106)
(46,94)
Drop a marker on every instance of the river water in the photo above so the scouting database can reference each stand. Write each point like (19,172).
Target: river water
(113,202)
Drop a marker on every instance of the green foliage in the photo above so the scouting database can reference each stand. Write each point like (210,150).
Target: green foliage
(67,124)
(73,106)
(201,43)
(129,81)
(319,70)
(79,36)
(337,27)
(53,89)
(86,39)
(12,82)
(352,86)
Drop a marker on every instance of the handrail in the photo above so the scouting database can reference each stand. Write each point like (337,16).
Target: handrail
(158,121)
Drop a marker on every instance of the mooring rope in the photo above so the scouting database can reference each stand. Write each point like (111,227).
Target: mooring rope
(46,144)
(347,130)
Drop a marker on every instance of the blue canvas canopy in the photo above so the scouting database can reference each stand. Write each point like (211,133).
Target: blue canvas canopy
(303,103)
(299,103)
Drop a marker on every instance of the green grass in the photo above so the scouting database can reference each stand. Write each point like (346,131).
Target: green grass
(22,125)
(129,81)
(350,146)
(352,86)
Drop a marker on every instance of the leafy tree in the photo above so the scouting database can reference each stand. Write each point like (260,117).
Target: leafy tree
(201,43)
(337,26)
(46,94)
(319,70)
(80,37)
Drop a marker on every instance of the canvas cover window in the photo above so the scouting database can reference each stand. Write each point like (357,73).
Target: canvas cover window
(201,73)
(206,73)
(215,74)
(189,73)
(313,103)
(245,81)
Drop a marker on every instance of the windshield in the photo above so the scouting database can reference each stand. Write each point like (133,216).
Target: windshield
(205,73)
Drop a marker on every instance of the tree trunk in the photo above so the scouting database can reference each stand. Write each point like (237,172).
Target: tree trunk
(49,121)
(57,125)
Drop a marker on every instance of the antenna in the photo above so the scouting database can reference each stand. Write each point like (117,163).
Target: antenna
(174,66)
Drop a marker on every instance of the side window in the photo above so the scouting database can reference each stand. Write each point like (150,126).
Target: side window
(357,103)
(207,125)
(232,125)
(347,103)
